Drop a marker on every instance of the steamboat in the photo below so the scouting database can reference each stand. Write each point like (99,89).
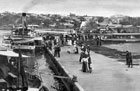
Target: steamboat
(121,37)
(15,73)
(24,36)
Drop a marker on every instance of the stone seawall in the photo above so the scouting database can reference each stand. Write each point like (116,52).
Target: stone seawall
(70,82)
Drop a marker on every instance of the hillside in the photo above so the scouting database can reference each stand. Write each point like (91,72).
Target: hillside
(8,19)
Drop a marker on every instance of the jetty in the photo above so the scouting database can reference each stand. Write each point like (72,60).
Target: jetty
(108,74)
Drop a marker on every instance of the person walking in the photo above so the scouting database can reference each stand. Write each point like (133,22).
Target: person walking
(50,44)
(84,61)
(89,63)
(130,60)
(82,55)
(54,42)
(97,40)
(127,57)
(57,50)
(85,64)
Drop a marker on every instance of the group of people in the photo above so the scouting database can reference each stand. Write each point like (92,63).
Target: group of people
(129,60)
(56,41)
(85,58)
(51,43)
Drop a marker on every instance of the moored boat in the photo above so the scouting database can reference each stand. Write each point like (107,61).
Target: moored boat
(13,75)
(121,37)
(24,36)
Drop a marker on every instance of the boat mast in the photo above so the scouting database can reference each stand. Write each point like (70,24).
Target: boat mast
(19,69)
(22,73)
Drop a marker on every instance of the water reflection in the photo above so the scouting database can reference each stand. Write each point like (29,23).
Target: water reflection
(36,63)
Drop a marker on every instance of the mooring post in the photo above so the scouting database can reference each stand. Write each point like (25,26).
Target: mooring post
(74,79)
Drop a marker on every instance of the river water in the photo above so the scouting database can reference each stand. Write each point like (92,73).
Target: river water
(132,47)
(43,66)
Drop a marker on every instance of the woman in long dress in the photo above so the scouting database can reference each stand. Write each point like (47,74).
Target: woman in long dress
(85,67)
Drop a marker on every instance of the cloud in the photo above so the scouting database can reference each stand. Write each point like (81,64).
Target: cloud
(89,7)
(33,3)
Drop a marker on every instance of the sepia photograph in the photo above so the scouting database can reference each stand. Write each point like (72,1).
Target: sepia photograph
(69,45)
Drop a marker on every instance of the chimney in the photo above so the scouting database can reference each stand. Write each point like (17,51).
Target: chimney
(24,23)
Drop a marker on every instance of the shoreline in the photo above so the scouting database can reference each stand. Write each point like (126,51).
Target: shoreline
(111,53)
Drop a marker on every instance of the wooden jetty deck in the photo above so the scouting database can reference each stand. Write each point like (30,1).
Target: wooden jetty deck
(108,74)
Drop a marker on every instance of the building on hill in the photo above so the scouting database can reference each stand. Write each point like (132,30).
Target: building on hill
(68,25)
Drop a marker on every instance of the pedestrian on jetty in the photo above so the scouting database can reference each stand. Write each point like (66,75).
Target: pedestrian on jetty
(62,39)
(86,63)
(89,63)
(130,60)
(76,51)
(127,57)
(98,41)
(82,55)
(50,44)
(54,42)
(57,50)
(88,49)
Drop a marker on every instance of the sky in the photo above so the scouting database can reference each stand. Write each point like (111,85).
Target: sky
(79,7)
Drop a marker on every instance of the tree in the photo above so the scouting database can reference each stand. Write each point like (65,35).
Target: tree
(100,19)
(91,24)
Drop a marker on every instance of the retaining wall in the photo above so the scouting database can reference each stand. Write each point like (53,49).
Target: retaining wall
(70,83)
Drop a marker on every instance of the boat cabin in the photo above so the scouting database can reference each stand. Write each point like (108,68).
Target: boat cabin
(23,45)
(22,33)
(30,44)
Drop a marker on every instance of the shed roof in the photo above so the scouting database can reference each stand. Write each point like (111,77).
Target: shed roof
(11,54)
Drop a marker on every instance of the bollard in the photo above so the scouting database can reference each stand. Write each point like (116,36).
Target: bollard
(74,79)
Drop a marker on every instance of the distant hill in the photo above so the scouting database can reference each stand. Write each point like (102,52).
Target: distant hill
(44,20)
(8,19)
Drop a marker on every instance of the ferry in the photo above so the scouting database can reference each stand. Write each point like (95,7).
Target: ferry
(121,37)
(24,36)
(21,31)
